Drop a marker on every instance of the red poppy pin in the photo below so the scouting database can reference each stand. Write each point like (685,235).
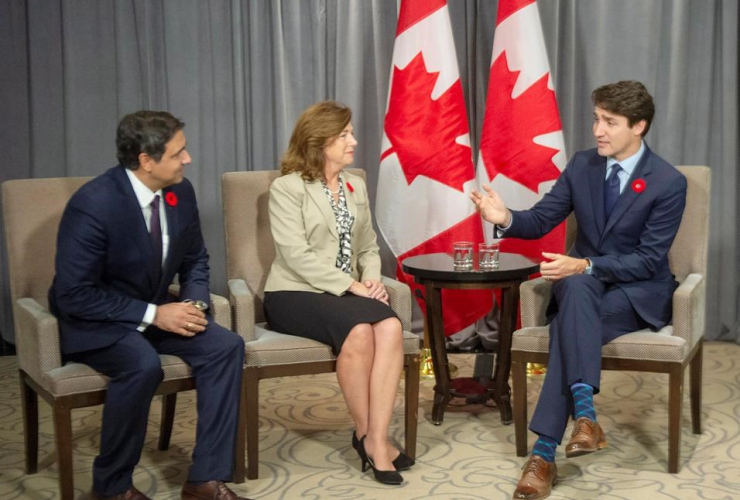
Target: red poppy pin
(351,189)
(638,185)
(171,199)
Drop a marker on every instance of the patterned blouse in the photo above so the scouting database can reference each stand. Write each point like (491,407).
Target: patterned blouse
(345,220)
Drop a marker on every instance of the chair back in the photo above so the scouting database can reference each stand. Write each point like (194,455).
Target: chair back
(688,254)
(690,249)
(250,248)
(32,209)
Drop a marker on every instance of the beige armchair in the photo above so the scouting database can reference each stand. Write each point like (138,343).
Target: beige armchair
(249,254)
(30,235)
(669,350)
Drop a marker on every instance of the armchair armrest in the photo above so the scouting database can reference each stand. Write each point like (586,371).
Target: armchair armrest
(37,335)
(220,309)
(242,299)
(399,298)
(689,302)
(534,295)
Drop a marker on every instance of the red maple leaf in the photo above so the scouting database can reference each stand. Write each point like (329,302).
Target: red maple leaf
(511,124)
(423,131)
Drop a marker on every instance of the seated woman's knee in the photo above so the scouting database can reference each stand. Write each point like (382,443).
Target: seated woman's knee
(359,341)
(389,331)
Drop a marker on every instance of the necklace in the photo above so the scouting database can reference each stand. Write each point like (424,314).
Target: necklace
(339,186)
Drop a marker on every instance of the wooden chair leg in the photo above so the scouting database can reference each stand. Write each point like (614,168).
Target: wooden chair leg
(675,400)
(251,408)
(519,389)
(30,406)
(168,417)
(240,445)
(695,388)
(63,431)
(411,417)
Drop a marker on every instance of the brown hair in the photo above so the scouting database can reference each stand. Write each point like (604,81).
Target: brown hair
(628,98)
(145,132)
(317,126)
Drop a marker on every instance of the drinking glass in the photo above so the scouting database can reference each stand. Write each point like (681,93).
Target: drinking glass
(462,255)
(488,254)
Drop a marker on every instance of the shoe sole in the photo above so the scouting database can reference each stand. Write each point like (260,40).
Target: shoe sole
(554,483)
(584,451)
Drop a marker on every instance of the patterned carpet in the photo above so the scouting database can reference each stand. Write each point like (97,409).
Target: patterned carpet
(306,453)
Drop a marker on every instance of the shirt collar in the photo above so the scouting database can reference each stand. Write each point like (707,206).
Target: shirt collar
(628,164)
(144,195)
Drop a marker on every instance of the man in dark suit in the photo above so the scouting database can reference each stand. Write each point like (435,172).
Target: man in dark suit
(122,238)
(628,204)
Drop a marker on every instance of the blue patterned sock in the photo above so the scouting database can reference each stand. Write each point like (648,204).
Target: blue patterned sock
(545,447)
(583,398)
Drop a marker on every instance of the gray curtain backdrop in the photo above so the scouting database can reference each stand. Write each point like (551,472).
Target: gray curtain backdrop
(239,73)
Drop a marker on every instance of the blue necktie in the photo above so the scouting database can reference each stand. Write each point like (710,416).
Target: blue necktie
(155,232)
(611,190)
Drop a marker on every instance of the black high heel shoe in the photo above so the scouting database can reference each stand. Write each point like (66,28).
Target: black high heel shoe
(381,476)
(402,462)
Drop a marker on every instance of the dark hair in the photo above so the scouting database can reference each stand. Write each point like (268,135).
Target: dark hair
(145,132)
(316,128)
(628,98)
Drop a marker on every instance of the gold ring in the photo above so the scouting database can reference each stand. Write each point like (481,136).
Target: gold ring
(189,326)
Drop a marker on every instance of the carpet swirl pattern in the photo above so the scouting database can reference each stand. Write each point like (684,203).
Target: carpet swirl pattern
(305,450)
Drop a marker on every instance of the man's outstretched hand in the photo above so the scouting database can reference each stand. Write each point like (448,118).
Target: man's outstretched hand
(490,206)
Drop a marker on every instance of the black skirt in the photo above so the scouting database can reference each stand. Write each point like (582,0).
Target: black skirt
(323,317)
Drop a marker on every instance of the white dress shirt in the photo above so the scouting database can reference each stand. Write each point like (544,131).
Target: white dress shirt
(145,196)
(628,166)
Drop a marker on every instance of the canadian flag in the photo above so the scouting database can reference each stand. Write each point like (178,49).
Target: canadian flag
(522,151)
(426,164)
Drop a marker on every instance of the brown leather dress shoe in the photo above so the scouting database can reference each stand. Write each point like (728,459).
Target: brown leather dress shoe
(130,494)
(587,438)
(538,478)
(212,490)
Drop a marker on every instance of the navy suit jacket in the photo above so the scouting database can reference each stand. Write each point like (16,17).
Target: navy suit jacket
(105,269)
(630,248)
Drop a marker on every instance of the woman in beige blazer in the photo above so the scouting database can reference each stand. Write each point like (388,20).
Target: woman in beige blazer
(324,283)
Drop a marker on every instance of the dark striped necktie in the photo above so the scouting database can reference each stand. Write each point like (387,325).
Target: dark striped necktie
(155,232)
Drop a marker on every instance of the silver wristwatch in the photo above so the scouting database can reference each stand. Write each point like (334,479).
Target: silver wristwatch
(589,267)
(199,304)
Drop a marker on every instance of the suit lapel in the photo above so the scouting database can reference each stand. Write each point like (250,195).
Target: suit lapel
(597,172)
(136,226)
(349,195)
(629,195)
(316,191)
(173,229)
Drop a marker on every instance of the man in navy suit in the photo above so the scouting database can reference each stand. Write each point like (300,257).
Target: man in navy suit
(123,237)
(628,204)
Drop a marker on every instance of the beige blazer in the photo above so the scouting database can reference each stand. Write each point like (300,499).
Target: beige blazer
(306,239)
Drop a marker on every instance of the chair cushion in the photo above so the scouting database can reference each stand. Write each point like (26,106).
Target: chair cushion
(273,348)
(642,344)
(75,378)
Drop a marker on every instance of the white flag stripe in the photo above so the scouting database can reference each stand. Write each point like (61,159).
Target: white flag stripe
(432,36)
(556,141)
(520,35)
(409,214)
